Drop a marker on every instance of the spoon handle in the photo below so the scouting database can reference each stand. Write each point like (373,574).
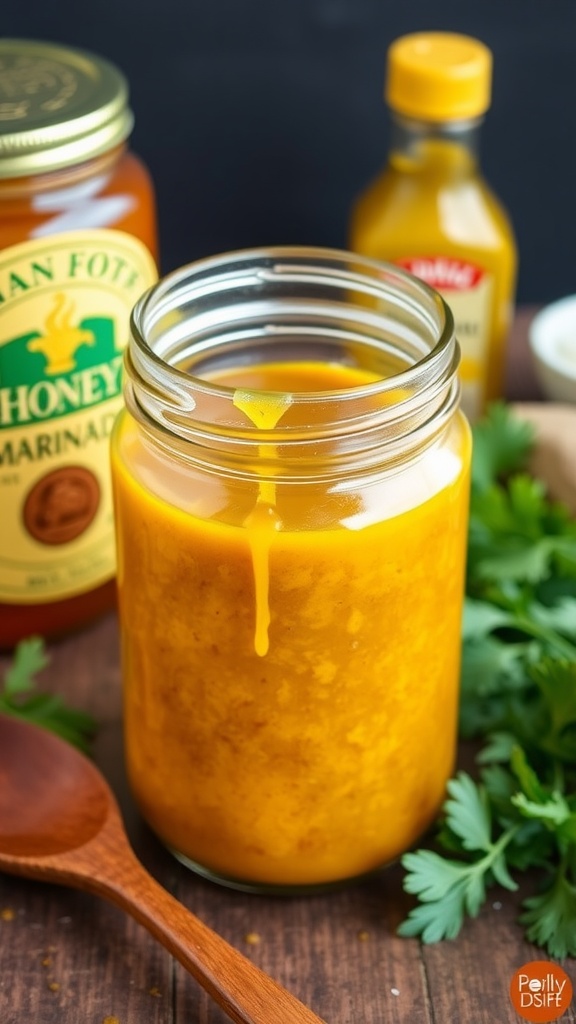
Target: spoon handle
(245,993)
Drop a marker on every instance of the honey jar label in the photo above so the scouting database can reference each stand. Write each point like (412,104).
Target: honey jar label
(468,291)
(65,304)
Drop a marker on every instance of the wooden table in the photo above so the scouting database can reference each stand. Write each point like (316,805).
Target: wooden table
(68,958)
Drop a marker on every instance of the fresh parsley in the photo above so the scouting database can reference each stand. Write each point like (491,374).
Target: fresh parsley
(19,697)
(519,698)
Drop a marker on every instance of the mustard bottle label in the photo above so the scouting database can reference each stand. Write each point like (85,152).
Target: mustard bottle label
(468,290)
(65,303)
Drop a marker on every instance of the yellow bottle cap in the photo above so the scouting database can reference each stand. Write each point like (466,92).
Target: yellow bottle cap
(438,76)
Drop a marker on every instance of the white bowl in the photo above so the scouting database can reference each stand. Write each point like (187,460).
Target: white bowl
(552,338)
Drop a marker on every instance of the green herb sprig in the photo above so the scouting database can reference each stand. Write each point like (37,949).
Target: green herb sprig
(19,697)
(519,697)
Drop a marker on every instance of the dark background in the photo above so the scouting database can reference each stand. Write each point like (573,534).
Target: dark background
(262,119)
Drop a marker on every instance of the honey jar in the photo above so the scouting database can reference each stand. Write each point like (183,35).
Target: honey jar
(77,248)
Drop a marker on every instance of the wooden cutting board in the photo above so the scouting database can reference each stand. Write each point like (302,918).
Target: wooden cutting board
(554,459)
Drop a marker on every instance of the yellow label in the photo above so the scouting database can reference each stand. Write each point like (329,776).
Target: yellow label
(65,303)
(468,290)
(471,310)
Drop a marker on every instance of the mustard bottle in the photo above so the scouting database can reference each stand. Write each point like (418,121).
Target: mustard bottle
(431,212)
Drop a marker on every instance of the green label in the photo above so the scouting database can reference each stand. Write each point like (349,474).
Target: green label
(36,386)
(65,304)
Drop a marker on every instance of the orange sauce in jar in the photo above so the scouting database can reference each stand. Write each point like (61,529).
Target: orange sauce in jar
(78,246)
(290,574)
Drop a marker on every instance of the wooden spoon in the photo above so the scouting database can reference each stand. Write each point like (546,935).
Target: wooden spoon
(59,822)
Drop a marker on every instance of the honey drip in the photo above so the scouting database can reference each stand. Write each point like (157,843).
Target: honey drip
(264,410)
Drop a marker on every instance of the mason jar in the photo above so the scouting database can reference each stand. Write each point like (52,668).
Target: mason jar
(77,248)
(291,481)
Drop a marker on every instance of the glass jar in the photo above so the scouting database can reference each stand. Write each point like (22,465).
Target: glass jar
(78,246)
(291,492)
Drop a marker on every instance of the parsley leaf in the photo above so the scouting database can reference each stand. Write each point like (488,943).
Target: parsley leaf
(449,889)
(518,694)
(29,658)
(18,697)
(556,681)
(550,917)
(501,444)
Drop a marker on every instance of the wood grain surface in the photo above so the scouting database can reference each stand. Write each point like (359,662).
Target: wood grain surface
(67,957)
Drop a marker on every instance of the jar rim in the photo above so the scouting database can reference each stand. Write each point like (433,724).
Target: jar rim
(271,292)
(176,282)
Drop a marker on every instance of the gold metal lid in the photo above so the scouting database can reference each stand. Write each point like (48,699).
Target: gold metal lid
(58,107)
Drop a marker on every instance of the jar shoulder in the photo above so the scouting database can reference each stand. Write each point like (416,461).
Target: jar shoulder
(115,191)
(132,172)
(400,215)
